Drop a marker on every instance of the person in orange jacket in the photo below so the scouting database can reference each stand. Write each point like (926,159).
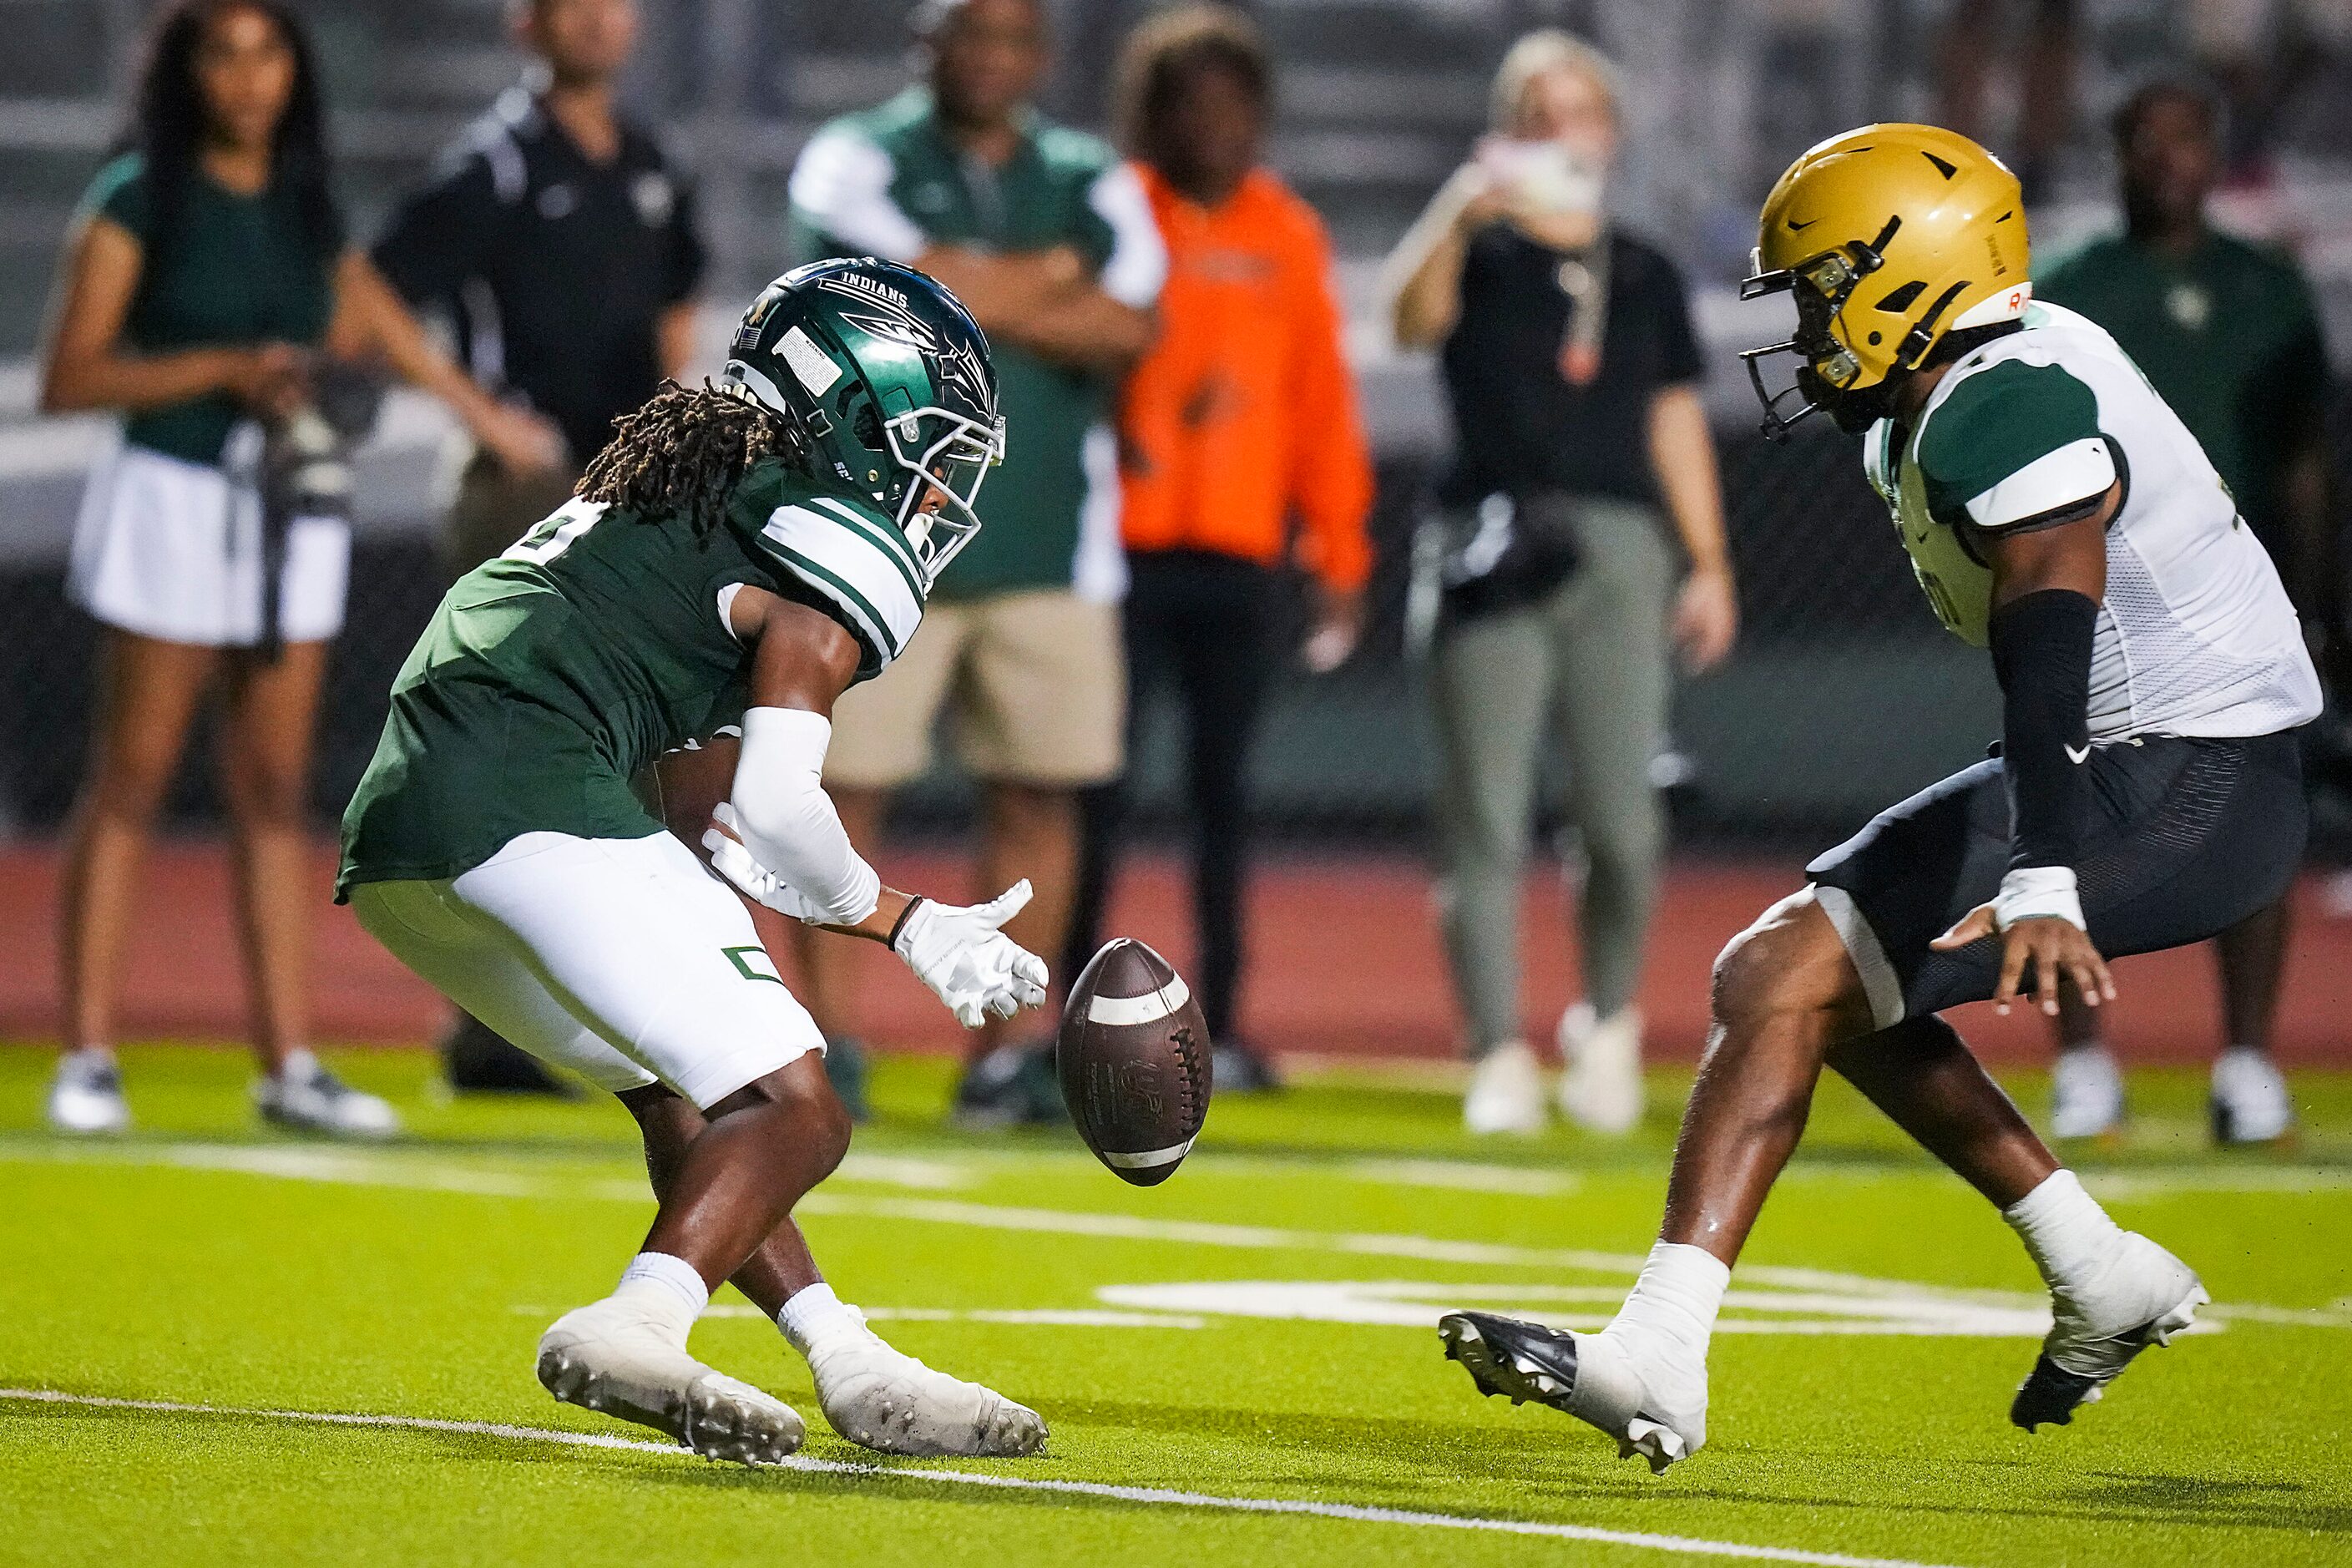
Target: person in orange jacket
(1241,453)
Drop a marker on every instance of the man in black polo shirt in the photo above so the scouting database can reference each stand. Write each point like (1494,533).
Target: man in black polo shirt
(561,243)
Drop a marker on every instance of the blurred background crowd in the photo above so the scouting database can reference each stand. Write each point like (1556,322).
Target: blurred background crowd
(1381,477)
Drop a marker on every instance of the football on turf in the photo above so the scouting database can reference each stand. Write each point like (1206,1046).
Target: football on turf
(1134,1060)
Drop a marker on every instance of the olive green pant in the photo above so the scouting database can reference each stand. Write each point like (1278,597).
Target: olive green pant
(1582,674)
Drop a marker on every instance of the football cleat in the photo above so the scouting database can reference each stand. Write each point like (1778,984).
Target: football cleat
(2140,1295)
(1505,1092)
(1602,1089)
(1600,1379)
(2087,1094)
(620,1358)
(2250,1103)
(86,1095)
(881,1398)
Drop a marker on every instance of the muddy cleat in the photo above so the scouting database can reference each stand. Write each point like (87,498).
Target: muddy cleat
(620,1359)
(1592,1377)
(2142,1295)
(884,1399)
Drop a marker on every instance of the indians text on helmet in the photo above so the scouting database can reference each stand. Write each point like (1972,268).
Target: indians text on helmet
(890,318)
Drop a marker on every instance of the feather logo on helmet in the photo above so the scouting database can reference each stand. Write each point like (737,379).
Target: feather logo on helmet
(886,315)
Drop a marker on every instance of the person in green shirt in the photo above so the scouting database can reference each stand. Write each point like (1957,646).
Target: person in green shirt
(1051,242)
(208,274)
(2226,331)
(737,557)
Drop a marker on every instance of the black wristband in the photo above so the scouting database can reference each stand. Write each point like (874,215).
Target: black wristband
(2042,656)
(900,923)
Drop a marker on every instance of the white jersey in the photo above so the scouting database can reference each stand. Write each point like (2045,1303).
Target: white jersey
(2196,635)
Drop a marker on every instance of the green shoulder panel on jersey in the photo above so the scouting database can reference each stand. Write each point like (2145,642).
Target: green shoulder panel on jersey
(1995,423)
(849,555)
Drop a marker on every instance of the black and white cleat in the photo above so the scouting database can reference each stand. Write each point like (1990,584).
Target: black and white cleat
(1527,1363)
(2147,1290)
(1519,1361)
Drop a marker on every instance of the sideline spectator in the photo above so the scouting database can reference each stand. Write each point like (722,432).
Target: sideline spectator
(1048,240)
(1570,360)
(2227,333)
(206,277)
(1240,417)
(562,241)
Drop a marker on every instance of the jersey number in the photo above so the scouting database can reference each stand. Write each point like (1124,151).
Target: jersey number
(555,533)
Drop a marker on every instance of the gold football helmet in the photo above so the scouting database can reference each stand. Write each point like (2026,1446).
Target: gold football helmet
(1890,238)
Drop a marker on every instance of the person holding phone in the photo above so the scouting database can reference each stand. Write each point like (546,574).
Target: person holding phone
(1583,459)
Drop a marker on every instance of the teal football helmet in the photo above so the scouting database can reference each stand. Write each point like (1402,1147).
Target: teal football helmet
(885,381)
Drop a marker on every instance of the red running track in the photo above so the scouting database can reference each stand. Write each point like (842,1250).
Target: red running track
(1346,963)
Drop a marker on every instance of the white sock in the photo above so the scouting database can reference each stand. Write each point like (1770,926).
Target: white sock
(2063,1227)
(299,1064)
(673,1281)
(1679,1292)
(93,1055)
(816,1314)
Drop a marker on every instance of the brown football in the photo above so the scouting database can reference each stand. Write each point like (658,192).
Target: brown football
(1134,1060)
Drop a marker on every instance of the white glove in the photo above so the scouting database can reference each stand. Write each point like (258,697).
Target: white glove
(967,962)
(731,861)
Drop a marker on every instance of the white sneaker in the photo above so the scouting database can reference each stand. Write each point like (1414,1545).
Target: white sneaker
(1632,1383)
(626,1356)
(1602,1089)
(2250,1103)
(86,1094)
(1505,1092)
(304,1097)
(2140,1295)
(885,1399)
(2087,1094)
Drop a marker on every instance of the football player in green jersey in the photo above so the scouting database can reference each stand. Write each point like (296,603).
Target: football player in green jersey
(2146,794)
(744,552)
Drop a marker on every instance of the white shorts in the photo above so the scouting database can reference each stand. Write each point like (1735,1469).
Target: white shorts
(172,550)
(622,959)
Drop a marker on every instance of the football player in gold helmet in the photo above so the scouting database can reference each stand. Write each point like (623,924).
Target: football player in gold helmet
(2146,794)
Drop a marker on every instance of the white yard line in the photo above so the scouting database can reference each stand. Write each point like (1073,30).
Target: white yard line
(1691,1546)
(398,1168)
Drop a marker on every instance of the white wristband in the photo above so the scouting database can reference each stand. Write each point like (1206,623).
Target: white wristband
(2038,892)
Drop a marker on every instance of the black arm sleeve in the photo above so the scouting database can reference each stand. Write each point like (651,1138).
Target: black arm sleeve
(2042,656)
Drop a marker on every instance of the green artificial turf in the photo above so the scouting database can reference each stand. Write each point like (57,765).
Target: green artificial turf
(203,1261)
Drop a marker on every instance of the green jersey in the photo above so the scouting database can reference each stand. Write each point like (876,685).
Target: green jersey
(236,270)
(553,675)
(889,183)
(2228,334)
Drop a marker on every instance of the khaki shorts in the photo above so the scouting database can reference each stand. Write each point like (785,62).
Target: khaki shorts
(1036,681)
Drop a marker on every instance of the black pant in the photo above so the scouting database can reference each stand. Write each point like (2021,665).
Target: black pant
(1207,624)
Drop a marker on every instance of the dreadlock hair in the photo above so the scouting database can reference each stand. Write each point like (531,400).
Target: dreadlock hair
(682,454)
